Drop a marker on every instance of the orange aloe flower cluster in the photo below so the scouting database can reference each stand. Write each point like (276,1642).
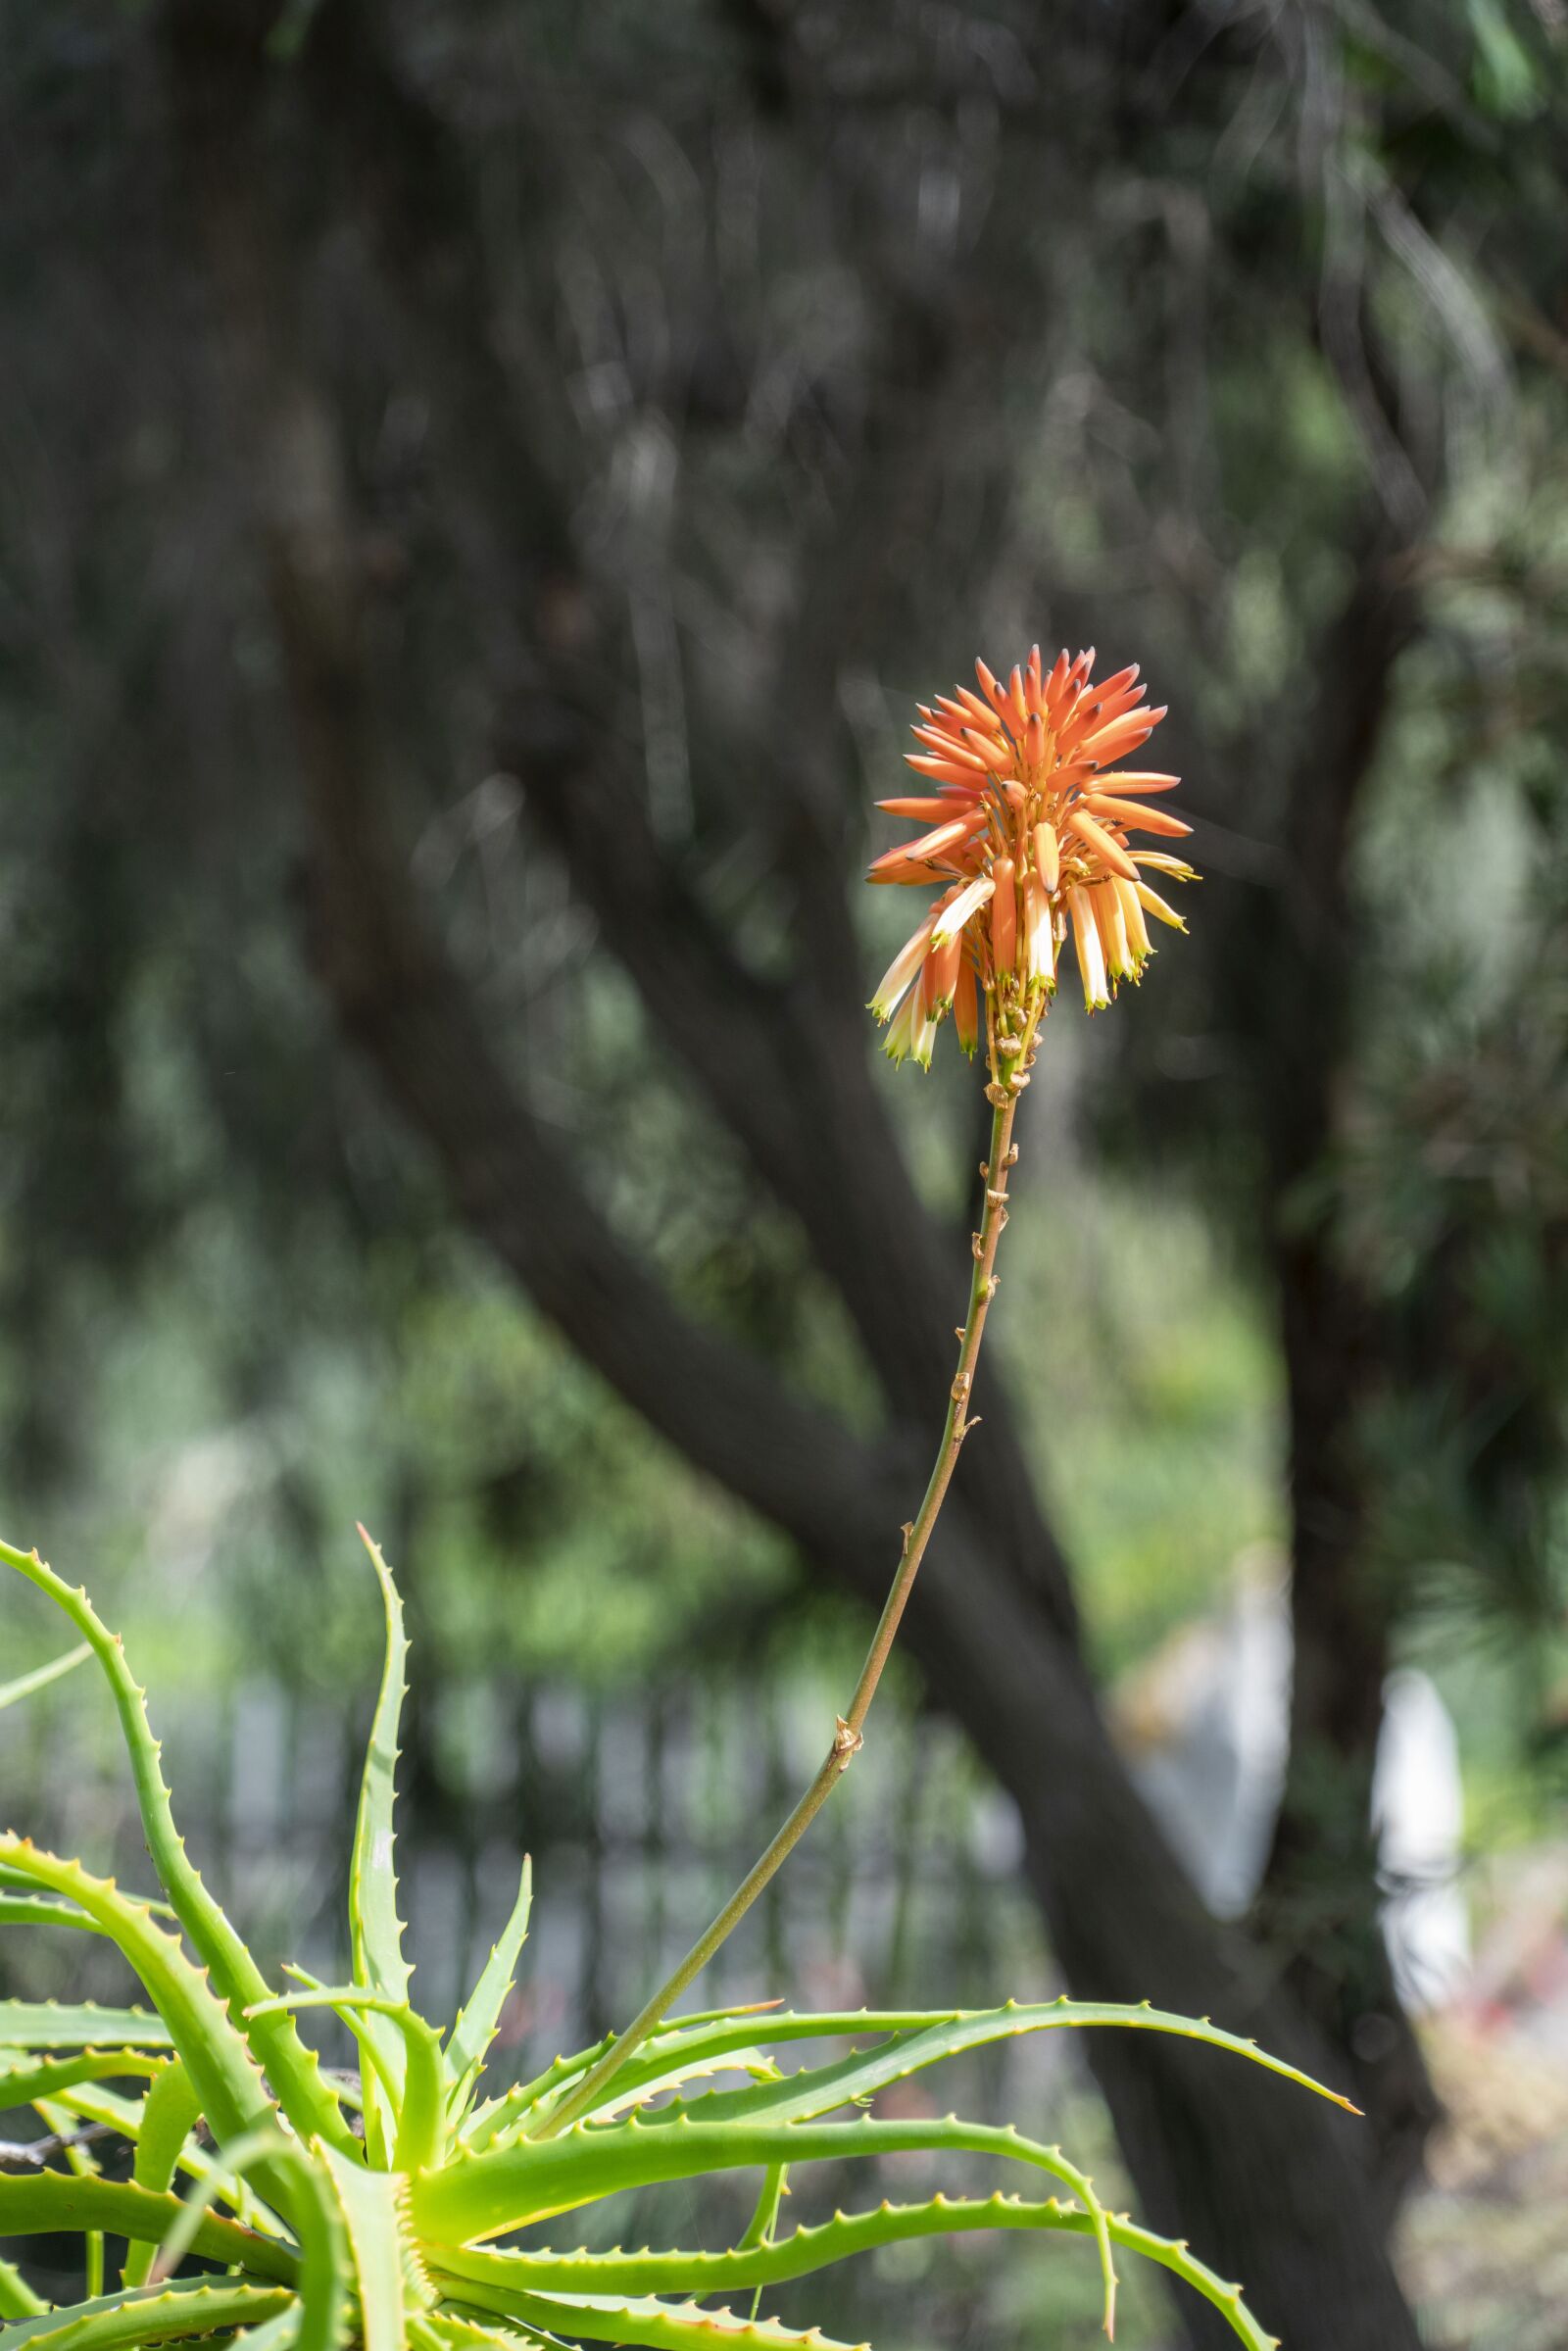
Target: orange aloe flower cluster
(1030,838)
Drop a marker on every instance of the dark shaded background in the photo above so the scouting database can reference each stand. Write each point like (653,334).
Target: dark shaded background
(480,490)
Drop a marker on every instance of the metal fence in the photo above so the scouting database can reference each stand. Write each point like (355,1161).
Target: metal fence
(641,1811)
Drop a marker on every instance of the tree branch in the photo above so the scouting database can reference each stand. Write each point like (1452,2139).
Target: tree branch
(785,1064)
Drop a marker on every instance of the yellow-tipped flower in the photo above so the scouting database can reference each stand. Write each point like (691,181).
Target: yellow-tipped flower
(1027,829)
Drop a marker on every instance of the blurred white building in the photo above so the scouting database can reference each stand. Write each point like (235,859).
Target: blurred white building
(1205,1723)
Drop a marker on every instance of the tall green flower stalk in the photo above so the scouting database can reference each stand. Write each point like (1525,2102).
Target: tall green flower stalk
(848,1735)
(410,2207)
(1029,842)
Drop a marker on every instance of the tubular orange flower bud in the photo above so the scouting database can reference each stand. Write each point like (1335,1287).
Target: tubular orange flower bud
(1091,955)
(1136,819)
(1094,713)
(1039,933)
(1113,931)
(956,913)
(911,1034)
(925,811)
(1155,905)
(1122,779)
(1017,700)
(1122,734)
(966,1008)
(946,749)
(901,971)
(945,837)
(1108,852)
(1177,867)
(1035,740)
(945,772)
(897,870)
(1132,914)
(1004,915)
(978,710)
(998,756)
(940,976)
(993,690)
(1047,856)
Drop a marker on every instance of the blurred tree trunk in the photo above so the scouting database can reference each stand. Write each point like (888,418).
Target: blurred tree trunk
(1266,2180)
(1319,1905)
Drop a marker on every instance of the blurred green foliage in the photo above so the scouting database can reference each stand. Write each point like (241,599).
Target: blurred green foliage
(235,1309)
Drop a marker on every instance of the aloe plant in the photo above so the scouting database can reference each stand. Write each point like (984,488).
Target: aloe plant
(376,2211)
(273,2202)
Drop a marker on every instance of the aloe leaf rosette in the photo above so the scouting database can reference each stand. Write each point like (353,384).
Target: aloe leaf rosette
(272,2203)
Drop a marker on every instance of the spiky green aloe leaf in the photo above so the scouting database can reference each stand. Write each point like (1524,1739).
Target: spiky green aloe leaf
(81,2163)
(195,2306)
(26,1684)
(419,2108)
(562,2072)
(291,2067)
(233,2097)
(16,2297)
(915,2038)
(326,2261)
(670,2325)
(95,2102)
(447,2330)
(763,2227)
(376,1930)
(25,2079)
(8,1878)
(33,1910)
(390,2278)
(792,2104)
(48,2025)
(321,2269)
(758,2229)
(807,2250)
(168,2114)
(622,2095)
(914,2041)
(481,2196)
(478,2019)
(267,2147)
(274,2334)
(58,2203)
(680,2045)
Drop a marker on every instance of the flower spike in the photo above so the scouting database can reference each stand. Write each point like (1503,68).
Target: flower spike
(1031,838)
